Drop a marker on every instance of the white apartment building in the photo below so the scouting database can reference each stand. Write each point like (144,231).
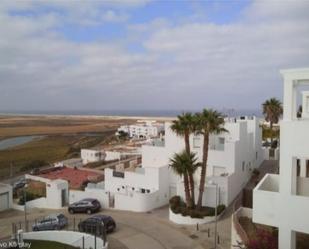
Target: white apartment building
(92,155)
(283,200)
(145,129)
(231,159)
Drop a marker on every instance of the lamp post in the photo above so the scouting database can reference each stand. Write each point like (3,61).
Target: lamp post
(216,212)
(25,208)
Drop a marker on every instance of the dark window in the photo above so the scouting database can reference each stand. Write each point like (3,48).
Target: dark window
(118,174)
(298,167)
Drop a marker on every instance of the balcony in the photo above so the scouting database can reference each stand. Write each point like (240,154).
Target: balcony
(266,201)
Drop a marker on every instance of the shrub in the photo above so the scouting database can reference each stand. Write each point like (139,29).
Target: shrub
(175,200)
(264,240)
(196,214)
(176,210)
(33,165)
(255,172)
(179,207)
(175,203)
(274,144)
(29,197)
(220,208)
(185,211)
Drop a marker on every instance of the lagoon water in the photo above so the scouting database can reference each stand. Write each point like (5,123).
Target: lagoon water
(12,142)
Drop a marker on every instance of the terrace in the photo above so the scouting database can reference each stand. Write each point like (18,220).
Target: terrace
(75,177)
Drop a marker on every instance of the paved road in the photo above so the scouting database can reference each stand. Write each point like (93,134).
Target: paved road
(134,230)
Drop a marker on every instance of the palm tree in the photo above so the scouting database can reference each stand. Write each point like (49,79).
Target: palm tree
(272,110)
(183,164)
(209,122)
(184,126)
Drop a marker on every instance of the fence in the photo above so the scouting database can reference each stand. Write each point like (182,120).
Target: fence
(92,235)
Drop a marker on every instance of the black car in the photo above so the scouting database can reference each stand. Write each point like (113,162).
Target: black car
(19,184)
(98,224)
(88,206)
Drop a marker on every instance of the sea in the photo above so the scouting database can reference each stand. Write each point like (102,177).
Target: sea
(131,113)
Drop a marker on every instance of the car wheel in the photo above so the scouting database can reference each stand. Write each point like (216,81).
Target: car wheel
(71,211)
(88,211)
(35,229)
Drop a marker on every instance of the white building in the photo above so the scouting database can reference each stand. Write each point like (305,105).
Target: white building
(232,157)
(283,200)
(147,129)
(6,197)
(72,163)
(57,194)
(141,190)
(92,155)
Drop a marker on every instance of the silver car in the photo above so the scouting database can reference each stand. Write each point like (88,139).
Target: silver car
(51,222)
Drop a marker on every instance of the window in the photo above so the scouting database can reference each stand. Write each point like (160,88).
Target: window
(243,166)
(220,143)
(196,142)
(298,167)
(221,140)
(256,155)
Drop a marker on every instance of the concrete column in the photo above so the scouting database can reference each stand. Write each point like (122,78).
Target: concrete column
(292,178)
(288,99)
(287,239)
(302,167)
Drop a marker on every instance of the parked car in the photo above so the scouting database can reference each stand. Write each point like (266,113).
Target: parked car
(97,224)
(88,206)
(51,222)
(19,183)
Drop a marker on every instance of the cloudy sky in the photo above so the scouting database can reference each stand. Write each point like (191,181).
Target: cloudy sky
(143,54)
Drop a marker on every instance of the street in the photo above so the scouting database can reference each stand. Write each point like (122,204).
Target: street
(138,230)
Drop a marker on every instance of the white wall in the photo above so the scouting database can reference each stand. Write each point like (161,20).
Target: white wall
(237,232)
(112,155)
(127,191)
(242,144)
(4,188)
(147,178)
(53,192)
(100,194)
(89,156)
(67,237)
(187,220)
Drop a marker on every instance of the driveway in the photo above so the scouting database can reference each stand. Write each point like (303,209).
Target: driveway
(134,230)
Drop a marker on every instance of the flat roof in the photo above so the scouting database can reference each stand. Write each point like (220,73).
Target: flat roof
(75,177)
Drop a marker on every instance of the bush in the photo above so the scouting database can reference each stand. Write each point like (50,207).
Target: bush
(175,203)
(264,240)
(29,197)
(33,165)
(274,144)
(220,208)
(255,172)
(196,214)
(179,207)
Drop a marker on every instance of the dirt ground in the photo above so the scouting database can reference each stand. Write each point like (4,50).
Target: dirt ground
(11,126)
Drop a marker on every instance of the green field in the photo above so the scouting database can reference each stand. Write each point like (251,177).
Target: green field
(39,244)
(47,150)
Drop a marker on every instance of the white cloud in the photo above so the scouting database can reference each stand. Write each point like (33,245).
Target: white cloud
(183,66)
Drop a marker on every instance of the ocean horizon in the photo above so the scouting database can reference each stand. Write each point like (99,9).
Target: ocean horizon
(130,113)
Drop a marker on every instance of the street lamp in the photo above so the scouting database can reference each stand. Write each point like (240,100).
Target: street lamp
(25,208)
(216,211)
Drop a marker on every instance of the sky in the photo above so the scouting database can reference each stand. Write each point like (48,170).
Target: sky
(147,54)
